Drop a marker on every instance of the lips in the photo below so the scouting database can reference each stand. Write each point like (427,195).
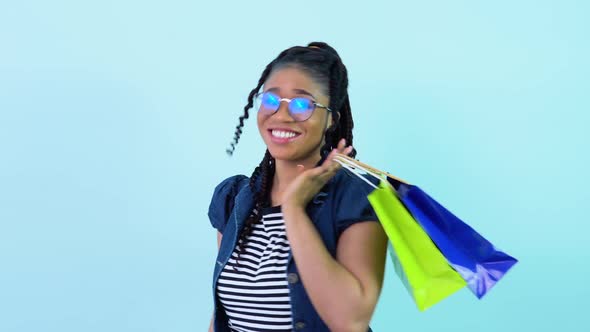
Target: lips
(283,135)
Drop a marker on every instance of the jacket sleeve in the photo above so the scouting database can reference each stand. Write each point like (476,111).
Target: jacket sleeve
(352,204)
(222,201)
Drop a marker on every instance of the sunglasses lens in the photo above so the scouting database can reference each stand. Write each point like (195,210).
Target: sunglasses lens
(301,108)
(269,102)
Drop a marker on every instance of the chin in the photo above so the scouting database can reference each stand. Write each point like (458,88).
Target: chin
(293,155)
(282,154)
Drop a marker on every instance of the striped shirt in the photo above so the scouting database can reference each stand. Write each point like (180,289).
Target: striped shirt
(255,295)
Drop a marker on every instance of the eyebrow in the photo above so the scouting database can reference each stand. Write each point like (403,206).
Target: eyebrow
(297,91)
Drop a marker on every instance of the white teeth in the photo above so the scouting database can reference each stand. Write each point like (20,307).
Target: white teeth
(283,134)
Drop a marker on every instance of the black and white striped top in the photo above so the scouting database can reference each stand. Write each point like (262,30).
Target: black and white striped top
(255,297)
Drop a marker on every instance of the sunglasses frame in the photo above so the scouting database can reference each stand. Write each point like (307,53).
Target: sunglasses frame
(288,100)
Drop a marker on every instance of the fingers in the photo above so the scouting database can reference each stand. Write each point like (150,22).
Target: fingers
(342,148)
(331,171)
(348,150)
(329,166)
(325,171)
(341,144)
(329,159)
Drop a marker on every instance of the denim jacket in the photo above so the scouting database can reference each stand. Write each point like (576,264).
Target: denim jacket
(339,204)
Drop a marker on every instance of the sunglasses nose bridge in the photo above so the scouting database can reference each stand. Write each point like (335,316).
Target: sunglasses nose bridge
(283,109)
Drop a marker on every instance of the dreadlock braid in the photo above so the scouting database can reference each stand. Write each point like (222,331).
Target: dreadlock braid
(266,170)
(339,100)
(348,124)
(246,115)
(324,65)
(250,103)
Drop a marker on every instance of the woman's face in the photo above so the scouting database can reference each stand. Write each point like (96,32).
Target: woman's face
(277,128)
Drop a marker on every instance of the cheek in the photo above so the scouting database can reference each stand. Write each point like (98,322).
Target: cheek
(317,123)
(314,132)
(260,121)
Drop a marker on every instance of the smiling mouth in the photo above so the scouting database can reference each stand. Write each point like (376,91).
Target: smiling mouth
(282,136)
(277,133)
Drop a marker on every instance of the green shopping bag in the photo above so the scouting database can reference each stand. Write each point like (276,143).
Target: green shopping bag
(422,268)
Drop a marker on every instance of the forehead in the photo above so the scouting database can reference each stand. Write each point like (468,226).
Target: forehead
(288,79)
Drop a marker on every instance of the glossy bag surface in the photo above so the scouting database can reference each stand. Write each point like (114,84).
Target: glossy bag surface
(421,266)
(475,258)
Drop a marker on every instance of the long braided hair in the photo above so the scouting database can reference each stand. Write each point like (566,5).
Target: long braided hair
(324,65)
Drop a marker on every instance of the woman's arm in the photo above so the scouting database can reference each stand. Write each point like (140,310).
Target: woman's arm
(344,291)
(219,237)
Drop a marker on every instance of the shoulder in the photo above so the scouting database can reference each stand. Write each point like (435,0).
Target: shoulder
(350,202)
(230,186)
(344,183)
(222,200)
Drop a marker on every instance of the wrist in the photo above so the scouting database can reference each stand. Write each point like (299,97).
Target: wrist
(292,208)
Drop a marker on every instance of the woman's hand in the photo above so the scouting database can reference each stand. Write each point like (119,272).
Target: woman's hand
(309,182)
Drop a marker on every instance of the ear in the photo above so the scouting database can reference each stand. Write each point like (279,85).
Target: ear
(334,118)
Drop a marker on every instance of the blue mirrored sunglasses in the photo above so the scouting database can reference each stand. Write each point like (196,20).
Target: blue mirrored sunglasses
(300,108)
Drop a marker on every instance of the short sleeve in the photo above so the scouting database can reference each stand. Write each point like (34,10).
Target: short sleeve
(222,201)
(352,204)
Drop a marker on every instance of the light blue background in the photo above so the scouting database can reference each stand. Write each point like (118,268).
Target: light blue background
(115,117)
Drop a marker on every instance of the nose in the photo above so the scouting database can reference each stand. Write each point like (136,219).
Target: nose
(282,113)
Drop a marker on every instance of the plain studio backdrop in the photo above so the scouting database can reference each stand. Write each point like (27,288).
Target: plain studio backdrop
(115,117)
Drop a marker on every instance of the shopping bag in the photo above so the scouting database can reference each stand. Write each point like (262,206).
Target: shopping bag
(420,265)
(475,258)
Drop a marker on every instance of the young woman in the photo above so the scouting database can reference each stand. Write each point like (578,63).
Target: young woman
(300,247)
